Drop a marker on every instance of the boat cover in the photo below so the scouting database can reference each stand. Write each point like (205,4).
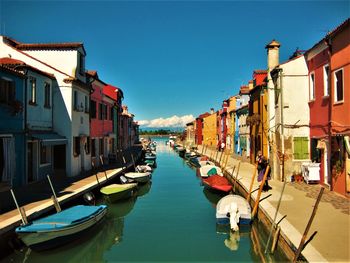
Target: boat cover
(67,217)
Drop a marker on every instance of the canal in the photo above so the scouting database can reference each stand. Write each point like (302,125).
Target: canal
(171,219)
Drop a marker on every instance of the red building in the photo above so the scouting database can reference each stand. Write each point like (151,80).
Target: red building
(329,101)
(199,128)
(101,120)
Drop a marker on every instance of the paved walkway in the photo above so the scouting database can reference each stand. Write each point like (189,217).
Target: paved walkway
(35,198)
(332,220)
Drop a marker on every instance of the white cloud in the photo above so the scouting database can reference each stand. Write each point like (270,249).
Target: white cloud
(174,121)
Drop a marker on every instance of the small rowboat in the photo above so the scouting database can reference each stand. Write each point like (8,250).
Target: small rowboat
(225,204)
(59,228)
(143,168)
(217,183)
(115,192)
(209,170)
(138,177)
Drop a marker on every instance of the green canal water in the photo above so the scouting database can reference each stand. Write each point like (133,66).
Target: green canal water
(171,220)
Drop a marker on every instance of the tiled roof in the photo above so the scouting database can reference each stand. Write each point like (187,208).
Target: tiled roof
(330,34)
(203,115)
(244,90)
(34,46)
(11,71)
(44,46)
(11,63)
(260,71)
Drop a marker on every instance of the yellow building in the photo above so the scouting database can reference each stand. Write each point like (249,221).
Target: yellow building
(257,119)
(210,130)
(230,122)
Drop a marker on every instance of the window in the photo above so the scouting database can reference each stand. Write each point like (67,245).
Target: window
(32,85)
(93,148)
(325,80)
(75,100)
(312,86)
(87,145)
(301,148)
(45,154)
(101,145)
(76,146)
(93,109)
(7,91)
(100,111)
(81,64)
(47,90)
(338,85)
(111,113)
(105,110)
(86,104)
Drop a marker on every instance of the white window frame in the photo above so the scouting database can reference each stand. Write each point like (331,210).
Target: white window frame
(335,86)
(312,86)
(326,80)
(33,90)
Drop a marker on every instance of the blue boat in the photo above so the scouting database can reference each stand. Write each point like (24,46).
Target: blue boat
(60,228)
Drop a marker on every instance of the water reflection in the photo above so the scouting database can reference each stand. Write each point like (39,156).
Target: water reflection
(212,197)
(143,189)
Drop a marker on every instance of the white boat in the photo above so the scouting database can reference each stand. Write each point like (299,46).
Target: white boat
(138,177)
(143,168)
(233,204)
(208,170)
(203,163)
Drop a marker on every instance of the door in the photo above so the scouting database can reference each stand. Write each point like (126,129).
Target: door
(59,159)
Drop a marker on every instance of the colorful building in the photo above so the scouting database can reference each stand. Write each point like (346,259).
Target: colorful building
(257,118)
(291,133)
(329,96)
(12,135)
(66,61)
(199,128)
(210,137)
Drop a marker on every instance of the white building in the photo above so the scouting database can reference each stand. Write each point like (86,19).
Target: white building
(66,61)
(291,115)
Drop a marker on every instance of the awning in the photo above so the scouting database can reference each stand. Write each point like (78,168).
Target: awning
(50,138)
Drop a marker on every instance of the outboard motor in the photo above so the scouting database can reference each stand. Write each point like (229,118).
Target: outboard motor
(89,198)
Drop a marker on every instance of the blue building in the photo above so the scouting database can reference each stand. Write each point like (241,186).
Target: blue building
(12,136)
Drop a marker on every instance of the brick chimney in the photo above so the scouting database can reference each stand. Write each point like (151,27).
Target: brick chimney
(272,54)
(211,110)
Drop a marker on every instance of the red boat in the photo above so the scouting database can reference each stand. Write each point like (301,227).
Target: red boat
(217,183)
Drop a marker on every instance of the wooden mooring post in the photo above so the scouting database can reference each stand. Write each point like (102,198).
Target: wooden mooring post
(257,201)
(21,210)
(54,197)
(104,170)
(251,183)
(302,241)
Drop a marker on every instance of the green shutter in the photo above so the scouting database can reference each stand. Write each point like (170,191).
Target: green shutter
(301,148)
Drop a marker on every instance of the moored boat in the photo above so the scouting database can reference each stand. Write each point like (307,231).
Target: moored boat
(115,192)
(138,177)
(225,205)
(209,170)
(217,183)
(60,228)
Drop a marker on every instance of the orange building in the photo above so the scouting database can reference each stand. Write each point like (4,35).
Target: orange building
(257,118)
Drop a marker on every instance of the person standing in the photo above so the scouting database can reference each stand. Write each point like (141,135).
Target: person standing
(262,165)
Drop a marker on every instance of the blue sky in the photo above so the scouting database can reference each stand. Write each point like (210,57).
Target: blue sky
(174,57)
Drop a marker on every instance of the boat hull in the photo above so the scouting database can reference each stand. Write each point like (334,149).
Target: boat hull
(114,196)
(44,240)
(243,207)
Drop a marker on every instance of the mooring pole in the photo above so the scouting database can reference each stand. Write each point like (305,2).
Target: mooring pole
(251,183)
(58,208)
(301,245)
(24,219)
(104,170)
(259,192)
(274,219)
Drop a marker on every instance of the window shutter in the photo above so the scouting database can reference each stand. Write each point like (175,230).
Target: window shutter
(297,148)
(305,148)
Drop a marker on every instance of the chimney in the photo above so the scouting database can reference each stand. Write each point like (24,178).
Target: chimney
(272,54)
(211,110)
(250,85)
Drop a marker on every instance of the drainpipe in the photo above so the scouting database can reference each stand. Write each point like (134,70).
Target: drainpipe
(329,152)
(282,123)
